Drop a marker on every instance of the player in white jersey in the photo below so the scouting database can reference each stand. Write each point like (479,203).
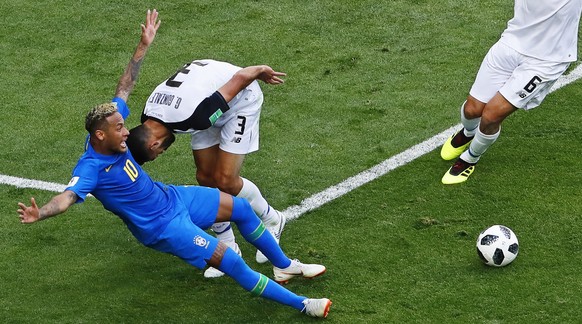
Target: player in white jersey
(535,49)
(219,104)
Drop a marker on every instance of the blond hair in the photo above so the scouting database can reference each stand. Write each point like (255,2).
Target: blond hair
(96,116)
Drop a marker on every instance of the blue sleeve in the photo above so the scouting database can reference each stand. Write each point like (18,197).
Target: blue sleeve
(121,107)
(84,179)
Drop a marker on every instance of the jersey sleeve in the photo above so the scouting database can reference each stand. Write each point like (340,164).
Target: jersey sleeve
(121,107)
(84,179)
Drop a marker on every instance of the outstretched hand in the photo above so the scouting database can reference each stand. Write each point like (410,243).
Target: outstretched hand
(149,29)
(245,76)
(270,76)
(28,214)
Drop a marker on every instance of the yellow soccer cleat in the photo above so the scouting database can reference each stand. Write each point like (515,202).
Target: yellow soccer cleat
(455,145)
(459,172)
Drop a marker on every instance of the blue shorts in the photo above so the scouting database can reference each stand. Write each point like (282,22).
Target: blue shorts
(185,240)
(201,203)
(196,210)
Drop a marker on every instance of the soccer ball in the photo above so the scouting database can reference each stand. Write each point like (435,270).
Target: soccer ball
(497,246)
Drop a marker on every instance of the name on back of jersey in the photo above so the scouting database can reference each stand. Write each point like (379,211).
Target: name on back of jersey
(165,99)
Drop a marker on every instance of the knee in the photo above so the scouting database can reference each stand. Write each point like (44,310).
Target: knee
(473,108)
(492,118)
(242,212)
(490,122)
(231,184)
(205,179)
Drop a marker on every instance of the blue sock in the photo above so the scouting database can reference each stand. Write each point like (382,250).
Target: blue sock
(258,284)
(254,231)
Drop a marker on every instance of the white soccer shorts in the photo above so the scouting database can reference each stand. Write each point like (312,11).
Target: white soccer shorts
(524,81)
(237,131)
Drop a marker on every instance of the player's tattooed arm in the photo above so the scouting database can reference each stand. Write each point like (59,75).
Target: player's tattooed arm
(129,77)
(57,205)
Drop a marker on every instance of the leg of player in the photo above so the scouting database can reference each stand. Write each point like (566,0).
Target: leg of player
(273,219)
(470,113)
(184,239)
(493,114)
(205,160)
(253,230)
(225,234)
(227,177)
(258,284)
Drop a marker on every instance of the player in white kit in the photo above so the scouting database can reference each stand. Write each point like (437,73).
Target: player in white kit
(219,104)
(535,49)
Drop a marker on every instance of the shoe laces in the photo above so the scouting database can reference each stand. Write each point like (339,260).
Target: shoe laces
(305,303)
(460,166)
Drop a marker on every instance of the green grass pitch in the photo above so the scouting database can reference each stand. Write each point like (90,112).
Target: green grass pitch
(366,80)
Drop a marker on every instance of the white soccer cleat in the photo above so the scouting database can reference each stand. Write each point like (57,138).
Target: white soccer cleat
(215,273)
(316,307)
(276,231)
(282,276)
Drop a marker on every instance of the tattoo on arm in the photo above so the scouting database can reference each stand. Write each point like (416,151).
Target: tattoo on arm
(134,67)
(58,204)
(71,197)
(129,77)
(48,210)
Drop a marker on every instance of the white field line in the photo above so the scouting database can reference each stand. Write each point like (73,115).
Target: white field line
(342,188)
(29,183)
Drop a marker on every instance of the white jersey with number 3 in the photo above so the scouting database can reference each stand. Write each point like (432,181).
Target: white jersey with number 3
(175,99)
(545,29)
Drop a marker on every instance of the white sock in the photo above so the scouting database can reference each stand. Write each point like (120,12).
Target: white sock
(479,145)
(259,204)
(224,233)
(470,125)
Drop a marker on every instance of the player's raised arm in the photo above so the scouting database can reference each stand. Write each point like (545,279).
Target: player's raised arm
(246,76)
(57,205)
(129,77)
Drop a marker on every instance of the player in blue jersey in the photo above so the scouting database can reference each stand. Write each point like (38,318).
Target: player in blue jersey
(170,218)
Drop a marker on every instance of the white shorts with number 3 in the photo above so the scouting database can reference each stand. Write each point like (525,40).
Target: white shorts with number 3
(237,131)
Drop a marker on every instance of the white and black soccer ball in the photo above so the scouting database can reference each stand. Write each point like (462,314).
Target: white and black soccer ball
(497,246)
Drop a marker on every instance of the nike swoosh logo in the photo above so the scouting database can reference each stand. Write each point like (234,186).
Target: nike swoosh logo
(108,168)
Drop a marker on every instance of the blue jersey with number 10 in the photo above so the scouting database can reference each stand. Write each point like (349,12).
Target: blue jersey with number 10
(123,188)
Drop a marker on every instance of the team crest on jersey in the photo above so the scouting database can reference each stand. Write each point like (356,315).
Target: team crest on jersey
(73,181)
(200,241)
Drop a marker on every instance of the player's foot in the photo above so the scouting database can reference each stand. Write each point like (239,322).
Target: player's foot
(316,307)
(459,172)
(455,145)
(282,276)
(215,273)
(275,230)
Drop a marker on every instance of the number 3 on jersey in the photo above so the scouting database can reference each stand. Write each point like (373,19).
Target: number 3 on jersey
(171,82)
